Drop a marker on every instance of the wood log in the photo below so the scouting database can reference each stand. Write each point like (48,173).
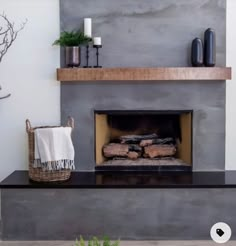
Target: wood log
(133,155)
(129,139)
(145,143)
(131,151)
(135,147)
(148,142)
(164,150)
(114,149)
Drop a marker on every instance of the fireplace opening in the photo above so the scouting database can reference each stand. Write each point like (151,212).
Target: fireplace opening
(143,140)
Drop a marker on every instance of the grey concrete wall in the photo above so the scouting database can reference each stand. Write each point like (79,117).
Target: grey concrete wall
(207,99)
(149,33)
(158,214)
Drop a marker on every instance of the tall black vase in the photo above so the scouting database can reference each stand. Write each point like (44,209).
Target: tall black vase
(210,48)
(197,53)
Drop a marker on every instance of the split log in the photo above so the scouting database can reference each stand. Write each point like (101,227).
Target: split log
(114,149)
(148,142)
(122,150)
(129,139)
(135,147)
(145,143)
(164,150)
(133,155)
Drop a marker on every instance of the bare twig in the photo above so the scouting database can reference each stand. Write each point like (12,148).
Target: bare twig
(9,35)
(4,96)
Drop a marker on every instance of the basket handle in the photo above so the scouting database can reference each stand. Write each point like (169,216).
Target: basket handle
(71,122)
(28,126)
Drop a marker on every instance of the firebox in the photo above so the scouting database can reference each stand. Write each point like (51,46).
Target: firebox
(143,140)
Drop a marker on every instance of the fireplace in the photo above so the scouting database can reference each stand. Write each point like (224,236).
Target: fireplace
(146,44)
(143,140)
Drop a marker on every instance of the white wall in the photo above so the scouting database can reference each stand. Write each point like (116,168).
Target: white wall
(231,87)
(28,71)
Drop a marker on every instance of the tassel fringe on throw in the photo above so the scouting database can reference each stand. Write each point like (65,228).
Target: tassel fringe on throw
(54,165)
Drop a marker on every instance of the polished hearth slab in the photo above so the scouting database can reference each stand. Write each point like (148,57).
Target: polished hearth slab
(19,179)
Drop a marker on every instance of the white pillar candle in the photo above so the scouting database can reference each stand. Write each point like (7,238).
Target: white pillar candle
(88,27)
(97,41)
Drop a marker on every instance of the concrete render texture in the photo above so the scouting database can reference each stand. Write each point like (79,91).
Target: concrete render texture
(128,214)
(138,33)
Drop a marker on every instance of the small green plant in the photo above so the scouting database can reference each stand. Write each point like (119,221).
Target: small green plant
(76,242)
(82,243)
(96,242)
(107,242)
(74,38)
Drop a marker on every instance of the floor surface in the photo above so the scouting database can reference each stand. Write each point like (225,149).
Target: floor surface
(123,243)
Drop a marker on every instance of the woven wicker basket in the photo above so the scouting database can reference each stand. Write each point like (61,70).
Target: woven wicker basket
(38,174)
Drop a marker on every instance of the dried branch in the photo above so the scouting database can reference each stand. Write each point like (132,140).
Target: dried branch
(9,35)
(4,96)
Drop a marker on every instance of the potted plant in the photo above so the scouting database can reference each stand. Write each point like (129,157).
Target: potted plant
(72,41)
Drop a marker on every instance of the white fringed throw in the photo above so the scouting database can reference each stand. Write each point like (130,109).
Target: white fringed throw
(54,149)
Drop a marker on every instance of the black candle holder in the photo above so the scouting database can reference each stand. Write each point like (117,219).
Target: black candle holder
(97,47)
(87,57)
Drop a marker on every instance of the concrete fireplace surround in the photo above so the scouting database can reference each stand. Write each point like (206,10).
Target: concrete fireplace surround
(149,34)
(135,33)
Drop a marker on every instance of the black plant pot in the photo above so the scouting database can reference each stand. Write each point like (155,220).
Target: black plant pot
(197,53)
(209,48)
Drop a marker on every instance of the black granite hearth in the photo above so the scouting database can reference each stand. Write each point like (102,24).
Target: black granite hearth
(144,168)
(19,179)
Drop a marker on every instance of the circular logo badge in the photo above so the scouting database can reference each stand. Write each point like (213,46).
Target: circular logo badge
(221,232)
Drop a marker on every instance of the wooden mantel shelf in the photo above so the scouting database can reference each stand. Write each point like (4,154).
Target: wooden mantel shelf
(139,74)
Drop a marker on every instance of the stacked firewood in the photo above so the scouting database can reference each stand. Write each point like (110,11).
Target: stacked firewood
(140,146)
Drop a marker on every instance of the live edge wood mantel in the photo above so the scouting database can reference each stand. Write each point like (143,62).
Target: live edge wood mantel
(143,74)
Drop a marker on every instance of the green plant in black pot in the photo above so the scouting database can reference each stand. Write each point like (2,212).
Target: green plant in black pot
(72,41)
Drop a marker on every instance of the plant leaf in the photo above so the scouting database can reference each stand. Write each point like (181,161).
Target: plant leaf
(76,242)
(73,38)
(82,243)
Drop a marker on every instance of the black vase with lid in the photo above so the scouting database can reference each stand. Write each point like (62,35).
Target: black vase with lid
(210,48)
(197,53)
